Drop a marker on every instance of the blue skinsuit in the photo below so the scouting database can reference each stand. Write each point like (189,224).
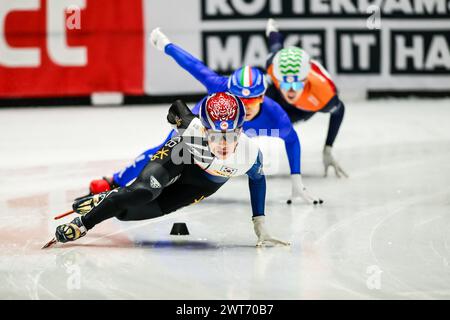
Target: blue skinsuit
(271,118)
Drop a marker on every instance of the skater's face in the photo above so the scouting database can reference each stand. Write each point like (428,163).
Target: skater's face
(222,144)
(252,106)
(291,91)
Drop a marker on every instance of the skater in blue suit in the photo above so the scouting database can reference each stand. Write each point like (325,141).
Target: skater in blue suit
(264,116)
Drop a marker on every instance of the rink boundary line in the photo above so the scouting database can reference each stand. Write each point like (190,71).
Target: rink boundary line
(401,207)
(431,242)
(372,170)
(369,212)
(37,284)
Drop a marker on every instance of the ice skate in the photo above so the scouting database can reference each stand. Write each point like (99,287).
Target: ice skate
(85,204)
(70,231)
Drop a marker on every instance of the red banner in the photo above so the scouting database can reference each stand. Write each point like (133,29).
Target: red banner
(71,47)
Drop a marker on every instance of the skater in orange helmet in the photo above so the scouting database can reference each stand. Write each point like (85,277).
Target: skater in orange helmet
(303,87)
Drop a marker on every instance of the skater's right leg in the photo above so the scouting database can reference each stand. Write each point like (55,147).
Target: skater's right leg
(156,175)
(146,188)
(172,198)
(114,203)
(79,226)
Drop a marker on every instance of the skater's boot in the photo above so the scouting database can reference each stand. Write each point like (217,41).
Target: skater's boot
(70,231)
(84,205)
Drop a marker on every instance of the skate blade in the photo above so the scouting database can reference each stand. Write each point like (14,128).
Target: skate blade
(50,243)
(64,215)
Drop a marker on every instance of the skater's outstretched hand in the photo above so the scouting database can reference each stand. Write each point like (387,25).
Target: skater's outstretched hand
(299,191)
(264,238)
(329,161)
(158,39)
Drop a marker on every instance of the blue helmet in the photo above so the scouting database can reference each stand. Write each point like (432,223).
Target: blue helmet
(222,112)
(247,82)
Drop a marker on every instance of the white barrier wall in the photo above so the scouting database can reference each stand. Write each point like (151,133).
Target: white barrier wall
(366,45)
(76,48)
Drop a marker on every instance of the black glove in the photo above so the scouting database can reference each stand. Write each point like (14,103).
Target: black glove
(180,115)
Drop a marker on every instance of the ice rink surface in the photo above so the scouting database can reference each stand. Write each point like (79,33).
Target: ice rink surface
(382,233)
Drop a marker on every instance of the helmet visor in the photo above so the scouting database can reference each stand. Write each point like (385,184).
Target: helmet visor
(252,101)
(297,85)
(228,136)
